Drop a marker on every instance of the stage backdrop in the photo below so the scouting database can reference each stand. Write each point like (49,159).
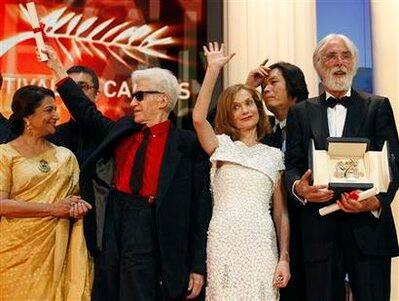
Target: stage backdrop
(114,38)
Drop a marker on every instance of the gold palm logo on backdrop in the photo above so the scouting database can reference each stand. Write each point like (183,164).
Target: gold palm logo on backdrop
(84,36)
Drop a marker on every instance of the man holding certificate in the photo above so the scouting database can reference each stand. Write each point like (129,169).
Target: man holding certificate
(360,239)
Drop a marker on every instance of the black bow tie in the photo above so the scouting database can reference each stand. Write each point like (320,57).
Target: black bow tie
(331,102)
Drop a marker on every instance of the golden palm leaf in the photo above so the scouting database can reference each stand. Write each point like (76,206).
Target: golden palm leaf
(97,38)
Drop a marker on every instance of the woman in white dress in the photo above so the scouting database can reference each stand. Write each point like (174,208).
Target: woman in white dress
(247,249)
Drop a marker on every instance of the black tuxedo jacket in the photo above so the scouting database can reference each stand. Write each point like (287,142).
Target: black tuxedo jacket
(370,117)
(183,202)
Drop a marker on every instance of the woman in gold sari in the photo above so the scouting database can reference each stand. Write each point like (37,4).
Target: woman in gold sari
(43,253)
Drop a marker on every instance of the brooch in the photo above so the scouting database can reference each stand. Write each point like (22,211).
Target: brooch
(44,166)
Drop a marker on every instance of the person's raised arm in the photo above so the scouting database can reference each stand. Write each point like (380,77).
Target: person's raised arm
(216,59)
(85,113)
(256,76)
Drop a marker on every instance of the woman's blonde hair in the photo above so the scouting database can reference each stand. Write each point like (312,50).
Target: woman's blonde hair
(224,116)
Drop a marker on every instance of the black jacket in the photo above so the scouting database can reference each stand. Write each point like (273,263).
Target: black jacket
(5,131)
(183,202)
(71,136)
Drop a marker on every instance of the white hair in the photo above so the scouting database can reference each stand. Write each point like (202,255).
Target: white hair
(161,80)
(332,36)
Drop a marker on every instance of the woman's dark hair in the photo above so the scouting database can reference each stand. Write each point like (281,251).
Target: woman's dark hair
(294,80)
(24,103)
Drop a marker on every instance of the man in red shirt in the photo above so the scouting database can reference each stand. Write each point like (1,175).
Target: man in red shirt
(148,186)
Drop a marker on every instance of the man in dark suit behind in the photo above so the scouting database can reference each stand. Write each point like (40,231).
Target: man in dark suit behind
(283,85)
(359,240)
(148,190)
(5,130)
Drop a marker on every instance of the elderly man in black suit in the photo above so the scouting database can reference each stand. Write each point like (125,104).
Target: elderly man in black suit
(148,188)
(360,240)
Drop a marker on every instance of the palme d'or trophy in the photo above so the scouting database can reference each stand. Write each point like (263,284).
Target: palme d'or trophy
(348,166)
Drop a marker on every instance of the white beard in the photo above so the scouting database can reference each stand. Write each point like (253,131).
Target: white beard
(342,83)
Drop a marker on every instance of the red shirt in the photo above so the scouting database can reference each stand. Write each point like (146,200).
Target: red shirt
(126,151)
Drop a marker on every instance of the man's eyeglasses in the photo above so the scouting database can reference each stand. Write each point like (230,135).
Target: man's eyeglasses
(85,86)
(335,57)
(139,95)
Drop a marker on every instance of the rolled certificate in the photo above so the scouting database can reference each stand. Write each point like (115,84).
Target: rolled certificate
(354,195)
(37,30)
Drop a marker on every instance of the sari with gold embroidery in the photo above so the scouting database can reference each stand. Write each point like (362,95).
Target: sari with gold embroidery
(42,258)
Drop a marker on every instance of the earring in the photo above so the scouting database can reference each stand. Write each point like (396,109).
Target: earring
(28,127)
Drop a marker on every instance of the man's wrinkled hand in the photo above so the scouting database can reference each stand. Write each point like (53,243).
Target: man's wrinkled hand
(353,206)
(312,193)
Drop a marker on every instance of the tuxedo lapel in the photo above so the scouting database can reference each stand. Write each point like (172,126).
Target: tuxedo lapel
(354,116)
(318,121)
(170,162)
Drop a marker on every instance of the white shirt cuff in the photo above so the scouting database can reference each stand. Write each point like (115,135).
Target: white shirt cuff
(301,200)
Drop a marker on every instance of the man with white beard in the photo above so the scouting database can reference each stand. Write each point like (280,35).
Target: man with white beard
(360,239)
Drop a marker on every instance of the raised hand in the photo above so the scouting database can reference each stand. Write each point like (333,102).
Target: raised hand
(256,76)
(316,193)
(215,56)
(53,62)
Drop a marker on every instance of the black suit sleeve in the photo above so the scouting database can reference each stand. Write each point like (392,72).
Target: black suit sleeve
(296,161)
(88,117)
(6,134)
(200,212)
(385,130)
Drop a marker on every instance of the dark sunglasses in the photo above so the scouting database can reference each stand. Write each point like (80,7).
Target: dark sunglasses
(139,95)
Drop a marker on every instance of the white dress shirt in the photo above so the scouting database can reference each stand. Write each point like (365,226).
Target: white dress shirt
(336,117)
